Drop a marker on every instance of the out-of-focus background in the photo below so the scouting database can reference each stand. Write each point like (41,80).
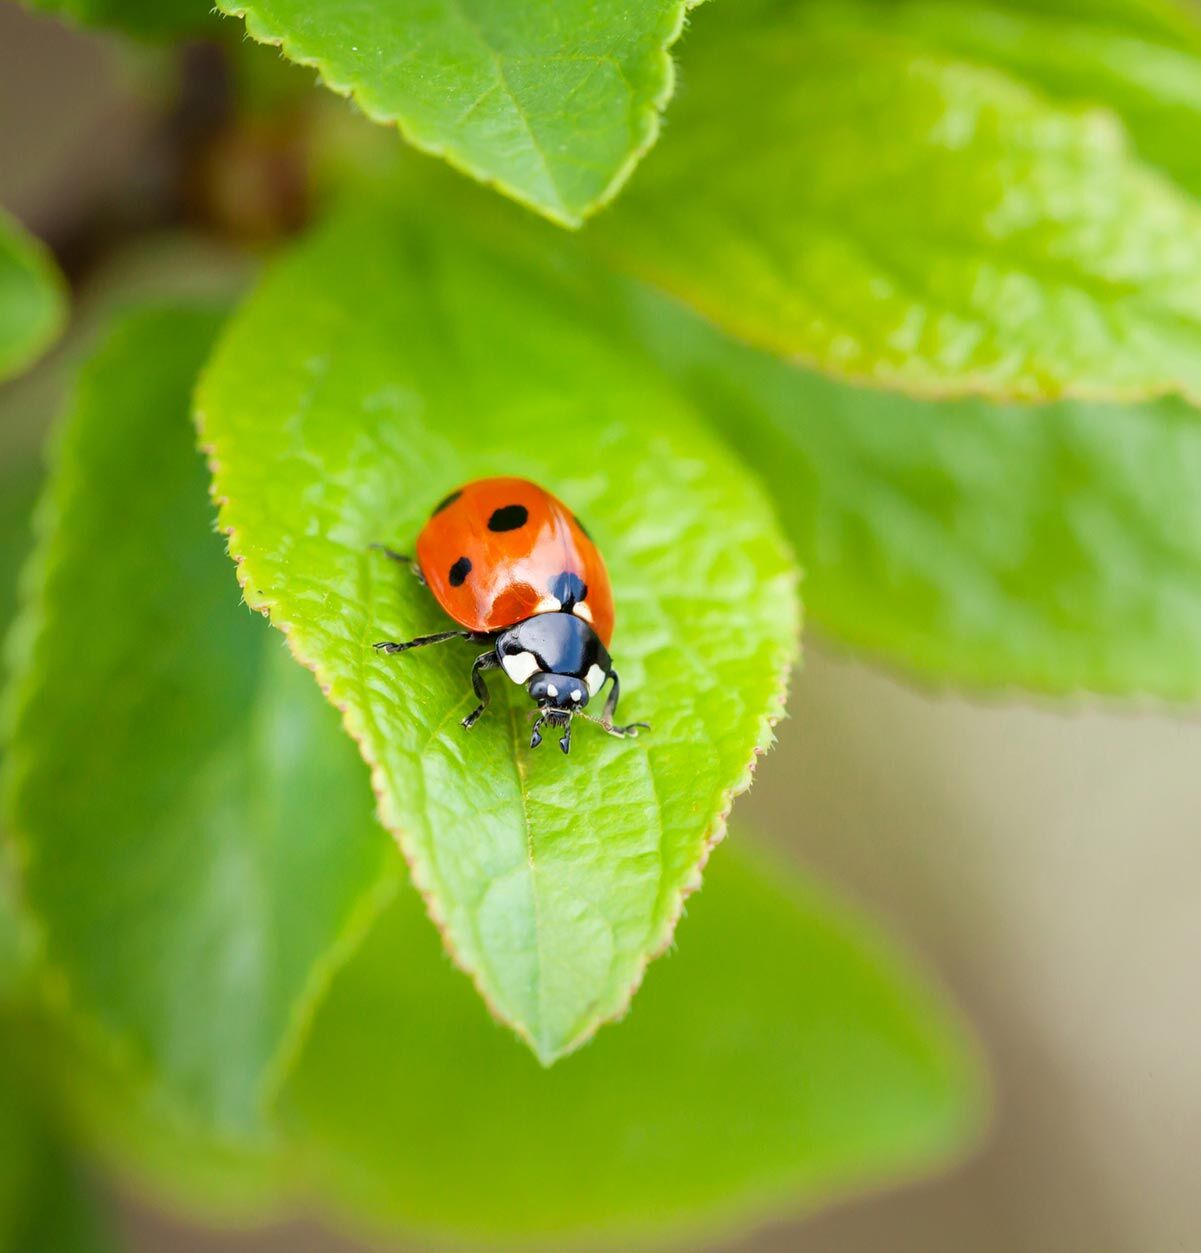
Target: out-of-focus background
(1044,860)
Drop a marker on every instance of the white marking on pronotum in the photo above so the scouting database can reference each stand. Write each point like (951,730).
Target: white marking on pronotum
(595,679)
(576,694)
(548,604)
(551,690)
(519,666)
(582,610)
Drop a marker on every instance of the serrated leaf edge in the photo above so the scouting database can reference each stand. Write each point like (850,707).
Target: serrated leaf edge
(661,940)
(561,214)
(754,331)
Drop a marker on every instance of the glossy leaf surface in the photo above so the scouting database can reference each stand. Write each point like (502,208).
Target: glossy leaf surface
(387,361)
(1141,59)
(892,215)
(1054,548)
(553,101)
(192,872)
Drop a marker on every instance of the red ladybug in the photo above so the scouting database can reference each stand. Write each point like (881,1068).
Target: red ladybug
(515,568)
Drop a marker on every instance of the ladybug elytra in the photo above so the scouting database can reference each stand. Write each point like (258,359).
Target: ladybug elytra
(517,570)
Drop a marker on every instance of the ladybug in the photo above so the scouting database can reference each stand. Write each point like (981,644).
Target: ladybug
(517,570)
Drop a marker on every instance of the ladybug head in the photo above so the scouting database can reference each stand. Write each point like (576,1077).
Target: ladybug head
(558,693)
(559,697)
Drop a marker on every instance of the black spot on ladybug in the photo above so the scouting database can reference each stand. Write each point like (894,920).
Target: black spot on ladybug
(587,533)
(459,572)
(508,518)
(446,502)
(568,589)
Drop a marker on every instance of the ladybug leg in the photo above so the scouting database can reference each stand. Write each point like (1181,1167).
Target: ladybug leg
(485,661)
(611,708)
(390,646)
(401,559)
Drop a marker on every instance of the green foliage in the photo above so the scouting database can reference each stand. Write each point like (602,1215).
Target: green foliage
(122,1114)
(200,1054)
(384,363)
(1053,547)
(951,198)
(553,101)
(153,19)
(1058,548)
(18,488)
(1140,59)
(46,1203)
(915,221)
(404,1106)
(195,832)
(33,304)
(783,1055)
(12,934)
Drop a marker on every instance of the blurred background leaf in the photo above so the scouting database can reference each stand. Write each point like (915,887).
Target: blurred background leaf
(1054,548)
(47,1204)
(786,1054)
(387,361)
(890,214)
(33,303)
(18,490)
(155,19)
(158,717)
(1139,58)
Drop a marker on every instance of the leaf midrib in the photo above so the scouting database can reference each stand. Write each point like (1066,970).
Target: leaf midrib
(532,869)
(503,83)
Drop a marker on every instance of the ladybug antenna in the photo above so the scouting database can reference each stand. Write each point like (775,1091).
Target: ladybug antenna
(622,733)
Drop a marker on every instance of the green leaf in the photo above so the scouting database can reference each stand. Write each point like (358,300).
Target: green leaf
(46,1202)
(59,1213)
(394,356)
(553,101)
(193,874)
(1140,59)
(151,19)
(1057,548)
(33,304)
(914,221)
(12,932)
(19,484)
(785,1055)
(18,490)
(121,1115)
